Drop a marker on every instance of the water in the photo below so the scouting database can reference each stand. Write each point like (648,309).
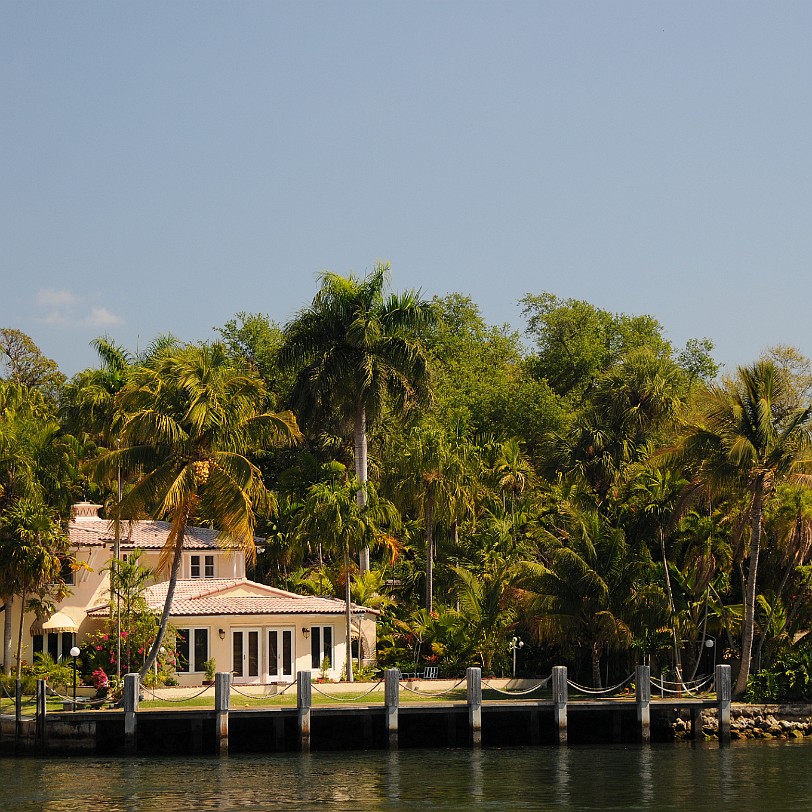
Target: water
(749,776)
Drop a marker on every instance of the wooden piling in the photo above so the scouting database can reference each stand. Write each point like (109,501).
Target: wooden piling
(304,701)
(131,689)
(723,699)
(42,713)
(560,696)
(392,702)
(222,703)
(473,677)
(642,690)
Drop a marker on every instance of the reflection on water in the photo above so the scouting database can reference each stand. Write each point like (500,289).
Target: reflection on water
(754,775)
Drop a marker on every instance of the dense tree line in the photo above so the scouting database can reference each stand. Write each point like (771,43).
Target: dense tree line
(586,485)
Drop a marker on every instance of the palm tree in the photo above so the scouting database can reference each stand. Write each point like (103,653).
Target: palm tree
(432,475)
(355,349)
(585,588)
(745,441)
(189,418)
(333,512)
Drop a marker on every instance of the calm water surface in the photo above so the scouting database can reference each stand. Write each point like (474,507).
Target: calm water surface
(750,776)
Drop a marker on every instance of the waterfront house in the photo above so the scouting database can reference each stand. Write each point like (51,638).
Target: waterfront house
(259,633)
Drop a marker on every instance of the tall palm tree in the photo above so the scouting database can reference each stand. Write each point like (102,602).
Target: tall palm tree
(433,475)
(355,349)
(744,440)
(332,512)
(586,586)
(189,419)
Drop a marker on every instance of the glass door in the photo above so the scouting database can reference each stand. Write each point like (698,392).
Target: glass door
(280,655)
(245,655)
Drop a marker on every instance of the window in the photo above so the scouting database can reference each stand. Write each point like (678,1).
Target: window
(192,648)
(57,644)
(67,574)
(207,571)
(321,646)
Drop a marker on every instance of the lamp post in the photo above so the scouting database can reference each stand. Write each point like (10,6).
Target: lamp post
(515,645)
(74,652)
(711,643)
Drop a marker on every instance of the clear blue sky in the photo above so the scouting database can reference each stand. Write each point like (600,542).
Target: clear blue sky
(166,165)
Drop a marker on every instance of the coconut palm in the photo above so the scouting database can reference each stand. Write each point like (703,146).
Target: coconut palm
(190,417)
(433,476)
(586,586)
(355,349)
(333,513)
(744,441)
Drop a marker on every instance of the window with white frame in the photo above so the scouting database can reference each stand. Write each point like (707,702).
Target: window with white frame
(57,644)
(192,650)
(321,646)
(201,566)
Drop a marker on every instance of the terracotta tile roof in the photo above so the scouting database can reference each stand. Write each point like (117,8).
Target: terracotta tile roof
(145,534)
(213,596)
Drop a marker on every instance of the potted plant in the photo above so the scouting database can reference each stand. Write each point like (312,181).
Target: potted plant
(210,667)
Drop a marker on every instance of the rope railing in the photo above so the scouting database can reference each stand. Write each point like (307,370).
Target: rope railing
(433,693)
(180,699)
(352,699)
(265,694)
(543,684)
(599,691)
(8,695)
(86,701)
(691,687)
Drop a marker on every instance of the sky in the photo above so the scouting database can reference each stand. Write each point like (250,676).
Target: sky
(166,165)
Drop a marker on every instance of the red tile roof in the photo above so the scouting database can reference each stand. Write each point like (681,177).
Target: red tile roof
(209,596)
(144,534)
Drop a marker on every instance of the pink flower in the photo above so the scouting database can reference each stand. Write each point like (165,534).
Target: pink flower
(105,636)
(98,648)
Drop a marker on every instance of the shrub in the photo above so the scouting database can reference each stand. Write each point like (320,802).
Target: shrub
(789,679)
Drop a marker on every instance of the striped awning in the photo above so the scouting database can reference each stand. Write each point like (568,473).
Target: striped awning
(57,622)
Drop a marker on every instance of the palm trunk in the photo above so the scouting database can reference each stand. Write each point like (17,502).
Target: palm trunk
(360,459)
(429,551)
(781,587)
(347,612)
(170,595)
(23,596)
(8,600)
(749,622)
(597,650)
(672,608)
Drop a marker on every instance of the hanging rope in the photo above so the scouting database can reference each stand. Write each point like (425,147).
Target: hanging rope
(595,692)
(542,684)
(694,687)
(353,699)
(182,699)
(433,693)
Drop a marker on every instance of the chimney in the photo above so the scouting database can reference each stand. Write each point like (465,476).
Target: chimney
(85,511)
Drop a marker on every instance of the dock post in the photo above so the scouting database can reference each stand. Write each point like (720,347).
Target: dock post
(304,700)
(222,703)
(560,696)
(723,698)
(18,713)
(42,713)
(642,689)
(131,688)
(392,701)
(473,678)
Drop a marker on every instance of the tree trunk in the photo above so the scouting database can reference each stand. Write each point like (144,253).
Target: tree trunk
(597,650)
(749,622)
(779,592)
(672,608)
(8,600)
(360,459)
(429,550)
(23,596)
(170,594)
(348,613)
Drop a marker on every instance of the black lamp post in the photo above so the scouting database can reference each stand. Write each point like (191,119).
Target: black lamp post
(74,652)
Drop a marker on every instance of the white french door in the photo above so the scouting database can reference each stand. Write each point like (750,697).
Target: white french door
(281,655)
(245,655)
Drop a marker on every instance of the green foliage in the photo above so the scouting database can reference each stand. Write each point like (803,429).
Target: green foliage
(789,678)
